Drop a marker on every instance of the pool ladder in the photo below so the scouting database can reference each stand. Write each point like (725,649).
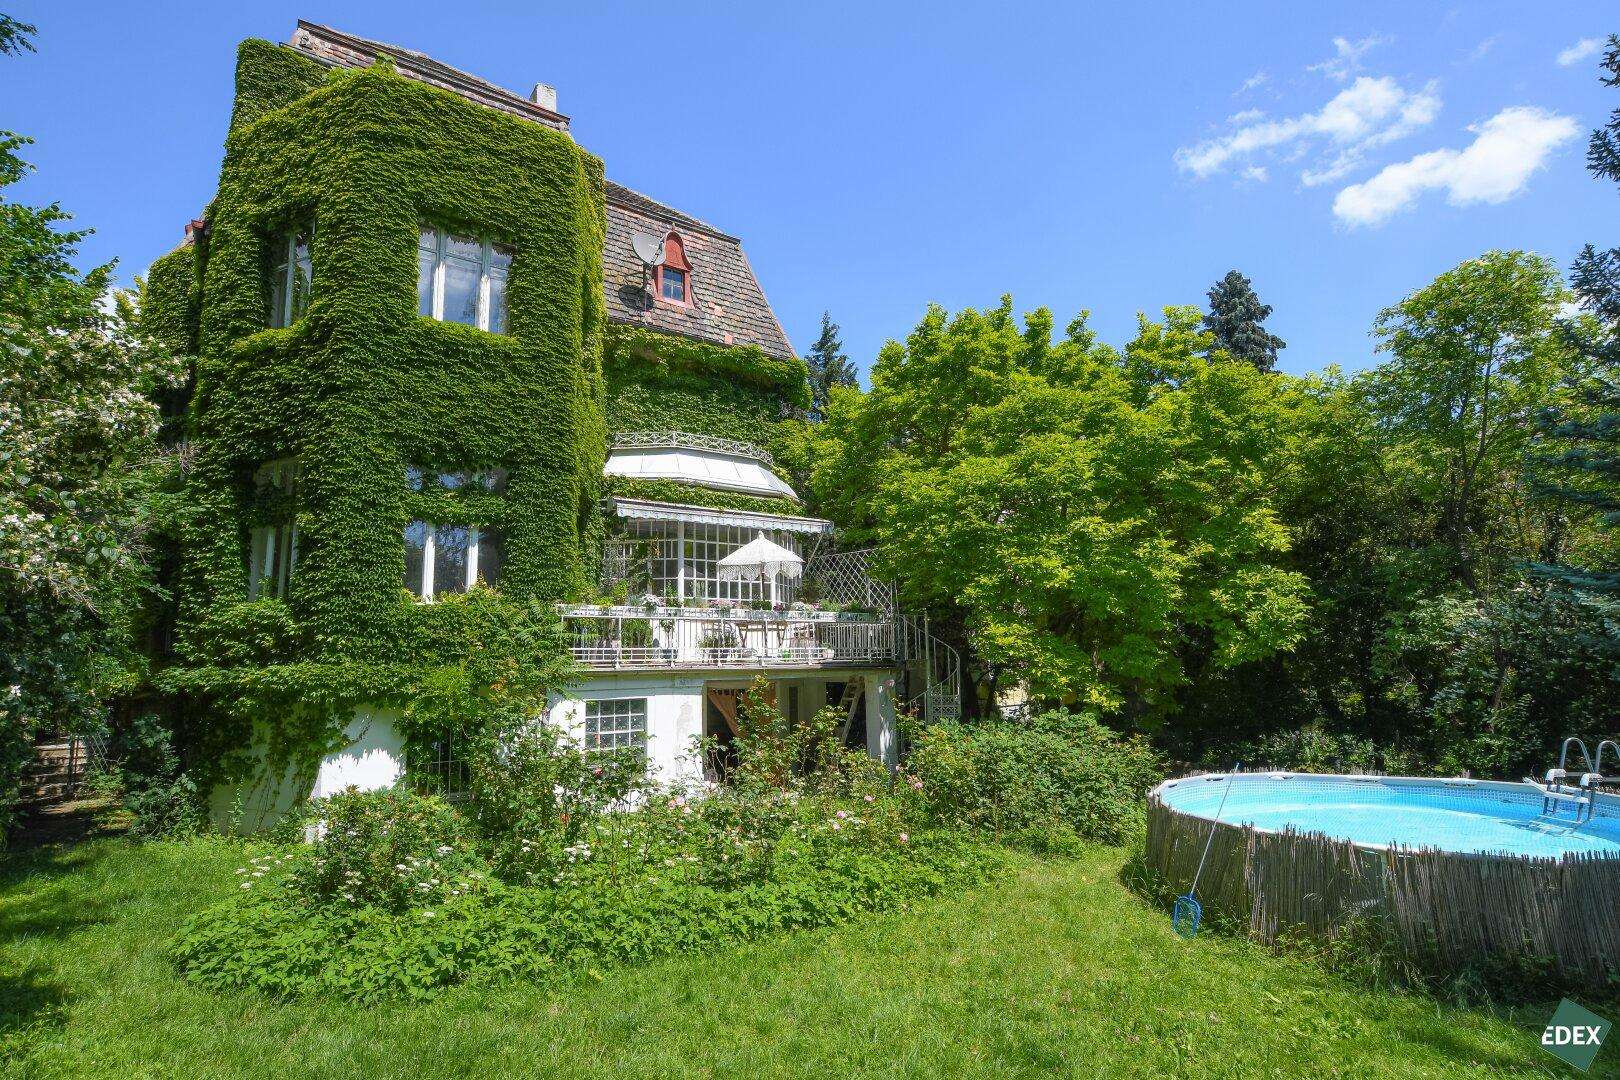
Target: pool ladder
(1556,787)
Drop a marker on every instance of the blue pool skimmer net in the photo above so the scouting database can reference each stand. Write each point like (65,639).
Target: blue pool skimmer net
(1188,913)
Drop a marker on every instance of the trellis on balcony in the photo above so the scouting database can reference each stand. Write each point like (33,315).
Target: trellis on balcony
(844,578)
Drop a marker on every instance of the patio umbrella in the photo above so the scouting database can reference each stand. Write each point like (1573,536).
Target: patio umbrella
(760,559)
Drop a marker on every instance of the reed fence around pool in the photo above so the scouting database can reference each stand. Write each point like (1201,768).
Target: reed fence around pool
(1439,906)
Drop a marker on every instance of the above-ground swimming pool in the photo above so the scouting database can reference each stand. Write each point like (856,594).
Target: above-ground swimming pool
(1451,871)
(1466,816)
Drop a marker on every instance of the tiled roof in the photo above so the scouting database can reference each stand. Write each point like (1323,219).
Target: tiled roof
(729,307)
(335,48)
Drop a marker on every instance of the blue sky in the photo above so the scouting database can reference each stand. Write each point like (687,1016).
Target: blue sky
(1113,157)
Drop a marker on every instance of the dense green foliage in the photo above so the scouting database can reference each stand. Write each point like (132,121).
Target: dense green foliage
(79,473)
(1099,524)
(659,382)
(564,860)
(1235,315)
(829,366)
(1219,555)
(360,388)
(1032,783)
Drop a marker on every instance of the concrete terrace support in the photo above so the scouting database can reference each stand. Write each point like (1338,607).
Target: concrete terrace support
(882,740)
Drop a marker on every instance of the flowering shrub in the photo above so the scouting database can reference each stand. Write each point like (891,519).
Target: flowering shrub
(394,850)
(646,883)
(536,792)
(567,859)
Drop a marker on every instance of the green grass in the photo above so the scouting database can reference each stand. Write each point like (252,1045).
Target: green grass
(1055,967)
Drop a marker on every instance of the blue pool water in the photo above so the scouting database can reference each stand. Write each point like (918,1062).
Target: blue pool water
(1384,811)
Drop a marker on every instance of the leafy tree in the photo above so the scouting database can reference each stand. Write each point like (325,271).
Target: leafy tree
(1579,441)
(1493,683)
(76,429)
(1090,522)
(1474,357)
(15,37)
(829,367)
(1235,315)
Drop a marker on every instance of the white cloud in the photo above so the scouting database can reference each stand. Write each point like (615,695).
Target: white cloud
(1368,113)
(1582,50)
(1247,116)
(1347,54)
(1257,173)
(1496,166)
(1417,110)
(1253,82)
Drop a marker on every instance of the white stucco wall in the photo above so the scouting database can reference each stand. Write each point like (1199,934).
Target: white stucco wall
(374,757)
(674,718)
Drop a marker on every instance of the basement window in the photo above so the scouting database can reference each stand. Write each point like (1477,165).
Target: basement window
(445,559)
(290,277)
(616,725)
(462,279)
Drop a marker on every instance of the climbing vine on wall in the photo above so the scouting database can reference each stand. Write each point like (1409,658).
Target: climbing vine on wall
(658,381)
(361,387)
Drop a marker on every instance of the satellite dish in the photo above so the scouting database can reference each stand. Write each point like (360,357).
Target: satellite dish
(649,248)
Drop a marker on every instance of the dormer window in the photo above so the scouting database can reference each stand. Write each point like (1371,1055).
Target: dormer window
(673,285)
(462,279)
(675,275)
(290,272)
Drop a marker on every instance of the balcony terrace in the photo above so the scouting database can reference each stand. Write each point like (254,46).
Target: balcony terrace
(655,637)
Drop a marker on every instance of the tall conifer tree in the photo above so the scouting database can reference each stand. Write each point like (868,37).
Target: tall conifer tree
(1235,315)
(829,367)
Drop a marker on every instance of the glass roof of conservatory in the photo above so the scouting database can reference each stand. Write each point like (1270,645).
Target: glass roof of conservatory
(726,464)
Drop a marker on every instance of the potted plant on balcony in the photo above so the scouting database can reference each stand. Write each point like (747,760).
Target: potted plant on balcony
(635,634)
(719,643)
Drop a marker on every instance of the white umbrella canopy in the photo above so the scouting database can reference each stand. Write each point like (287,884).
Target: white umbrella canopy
(760,558)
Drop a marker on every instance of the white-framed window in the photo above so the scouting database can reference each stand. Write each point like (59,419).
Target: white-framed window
(273,548)
(681,558)
(444,559)
(462,279)
(290,276)
(616,724)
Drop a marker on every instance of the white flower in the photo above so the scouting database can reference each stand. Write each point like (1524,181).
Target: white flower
(247,884)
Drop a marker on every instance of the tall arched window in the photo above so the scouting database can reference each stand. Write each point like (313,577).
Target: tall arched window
(674,285)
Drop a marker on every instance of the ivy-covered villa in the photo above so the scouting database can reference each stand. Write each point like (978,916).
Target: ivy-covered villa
(448,376)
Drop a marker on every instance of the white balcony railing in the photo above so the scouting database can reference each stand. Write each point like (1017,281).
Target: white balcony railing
(631,637)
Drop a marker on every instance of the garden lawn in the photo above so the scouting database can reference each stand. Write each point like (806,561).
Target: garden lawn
(1054,967)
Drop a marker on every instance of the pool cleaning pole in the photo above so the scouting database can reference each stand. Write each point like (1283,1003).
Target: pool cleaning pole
(1192,893)
(1227,790)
